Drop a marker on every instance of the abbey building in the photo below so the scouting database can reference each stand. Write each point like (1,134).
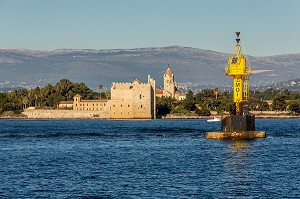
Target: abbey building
(128,101)
(170,87)
(134,100)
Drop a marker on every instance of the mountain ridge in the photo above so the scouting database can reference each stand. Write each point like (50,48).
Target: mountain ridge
(103,66)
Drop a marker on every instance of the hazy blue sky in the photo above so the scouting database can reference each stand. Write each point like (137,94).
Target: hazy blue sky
(268,27)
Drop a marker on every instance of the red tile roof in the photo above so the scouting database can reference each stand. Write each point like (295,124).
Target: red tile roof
(169,72)
(159,92)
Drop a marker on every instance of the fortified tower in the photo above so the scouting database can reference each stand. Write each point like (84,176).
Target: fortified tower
(240,124)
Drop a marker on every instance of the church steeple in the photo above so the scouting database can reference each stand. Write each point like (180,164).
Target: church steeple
(169,84)
(169,72)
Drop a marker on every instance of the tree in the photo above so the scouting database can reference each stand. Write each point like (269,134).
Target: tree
(216,92)
(164,105)
(279,103)
(100,88)
(65,88)
(202,112)
(294,107)
(83,90)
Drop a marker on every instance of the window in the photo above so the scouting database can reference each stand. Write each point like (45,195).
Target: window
(121,105)
(141,106)
(128,105)
(140,96)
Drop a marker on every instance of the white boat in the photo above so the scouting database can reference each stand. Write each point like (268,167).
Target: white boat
(215,119)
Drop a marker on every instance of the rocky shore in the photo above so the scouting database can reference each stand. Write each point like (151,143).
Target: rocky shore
(178,116)
(11,115)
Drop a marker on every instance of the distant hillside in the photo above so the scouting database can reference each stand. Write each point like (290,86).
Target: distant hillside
(292,85)
(200,67)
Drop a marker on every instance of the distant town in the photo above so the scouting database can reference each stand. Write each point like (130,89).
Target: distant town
(8,86)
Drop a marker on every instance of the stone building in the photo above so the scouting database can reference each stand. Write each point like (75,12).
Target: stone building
(66,105)
(88,105)
(133,100)
(128,101)
(170,87)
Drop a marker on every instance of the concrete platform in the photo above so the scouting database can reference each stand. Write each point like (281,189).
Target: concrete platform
(236,135)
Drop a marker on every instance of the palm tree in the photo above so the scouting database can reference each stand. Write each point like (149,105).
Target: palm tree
(216,92)
(100,88)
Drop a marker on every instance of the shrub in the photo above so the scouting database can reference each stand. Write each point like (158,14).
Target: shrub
(180,111)
(202,112)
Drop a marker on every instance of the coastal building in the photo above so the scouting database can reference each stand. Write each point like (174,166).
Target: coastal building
(133,100)
(170,87)
(66,105)
(128,101)
(88,105)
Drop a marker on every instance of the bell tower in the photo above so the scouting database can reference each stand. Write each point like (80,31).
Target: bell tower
(169,84)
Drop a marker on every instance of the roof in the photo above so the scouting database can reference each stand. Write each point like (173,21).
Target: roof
(159,92)
(66,102)
(77,95)
(169,72)
(104,100)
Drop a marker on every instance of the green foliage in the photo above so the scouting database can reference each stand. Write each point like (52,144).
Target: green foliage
(279,103)
(164,105)
(189,102)
(213,100)
(294,107)
(180,111)
(202,102)
(203,111)
(48,96)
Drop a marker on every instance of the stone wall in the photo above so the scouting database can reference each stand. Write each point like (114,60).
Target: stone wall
(64,114)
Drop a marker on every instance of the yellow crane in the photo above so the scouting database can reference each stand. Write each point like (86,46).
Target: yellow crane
(240,72)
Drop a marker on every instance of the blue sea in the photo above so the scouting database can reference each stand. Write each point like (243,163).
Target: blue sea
(146,159)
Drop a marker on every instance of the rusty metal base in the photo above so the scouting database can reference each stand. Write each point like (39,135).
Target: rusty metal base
(236,135)
(237,127)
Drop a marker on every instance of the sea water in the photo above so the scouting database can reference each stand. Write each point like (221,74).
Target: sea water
(146,159)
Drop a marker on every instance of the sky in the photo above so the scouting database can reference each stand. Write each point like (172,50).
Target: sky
(268,27)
